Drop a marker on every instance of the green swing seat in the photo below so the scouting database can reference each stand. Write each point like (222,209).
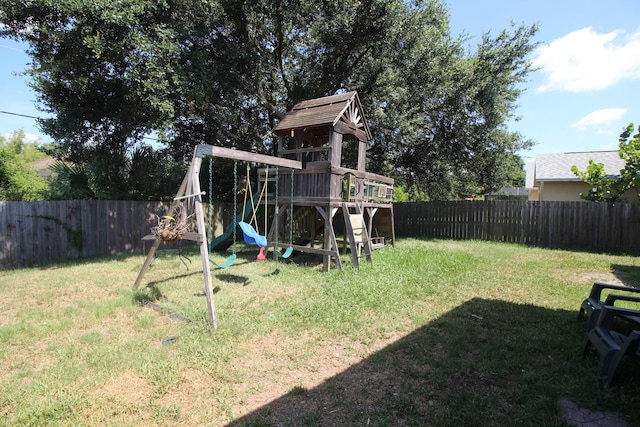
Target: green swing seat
(287,253)
(226,263)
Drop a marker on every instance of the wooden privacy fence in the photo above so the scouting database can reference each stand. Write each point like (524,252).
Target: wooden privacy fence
(586,226)
(36,233)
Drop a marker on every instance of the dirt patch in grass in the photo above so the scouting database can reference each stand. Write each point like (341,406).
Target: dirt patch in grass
(127,388)
(602,278)
(194,396)
(269,368)
(298,384)
(617,276)
(280,366)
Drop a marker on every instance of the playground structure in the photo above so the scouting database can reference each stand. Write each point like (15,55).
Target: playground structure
(190,194)
(320,165)
(333,194)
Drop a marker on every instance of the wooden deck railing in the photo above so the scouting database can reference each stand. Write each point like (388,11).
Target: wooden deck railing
(320,183)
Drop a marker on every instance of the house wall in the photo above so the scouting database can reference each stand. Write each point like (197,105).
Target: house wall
(569,192)
(562,191)
(534,195)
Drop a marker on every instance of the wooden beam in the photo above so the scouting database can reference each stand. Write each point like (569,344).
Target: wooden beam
(228,153)
(329,237)
(307,249)
(305,150)
(335,141)
(345,129)
(366,175)
(204,250)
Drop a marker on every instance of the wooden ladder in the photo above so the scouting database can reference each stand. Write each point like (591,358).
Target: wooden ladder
(358,234)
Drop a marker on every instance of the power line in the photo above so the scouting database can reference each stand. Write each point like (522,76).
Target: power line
(36,118)
(19,115)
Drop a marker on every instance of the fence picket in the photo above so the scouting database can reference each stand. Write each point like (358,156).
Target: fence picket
(34,233)
(602,227)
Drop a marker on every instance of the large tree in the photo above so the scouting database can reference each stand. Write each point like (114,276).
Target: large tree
(224,71)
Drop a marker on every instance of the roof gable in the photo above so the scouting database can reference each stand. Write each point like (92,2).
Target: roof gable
(326,111)
(557,166)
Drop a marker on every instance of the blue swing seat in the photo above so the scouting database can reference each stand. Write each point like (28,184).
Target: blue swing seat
(251,236)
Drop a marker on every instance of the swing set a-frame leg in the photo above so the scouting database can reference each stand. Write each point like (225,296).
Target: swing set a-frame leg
(204,249)
(152,252)
(190,185)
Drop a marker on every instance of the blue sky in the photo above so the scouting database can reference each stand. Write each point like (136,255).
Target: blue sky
(586,90)
(584,94)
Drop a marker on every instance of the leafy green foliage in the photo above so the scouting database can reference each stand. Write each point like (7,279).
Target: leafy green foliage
(603,187)
(70,182)
(224,72)
(610,189)
(146,174)
(17,180)
(630,152)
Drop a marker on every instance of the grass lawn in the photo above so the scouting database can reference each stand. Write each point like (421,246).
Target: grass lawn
(432,333)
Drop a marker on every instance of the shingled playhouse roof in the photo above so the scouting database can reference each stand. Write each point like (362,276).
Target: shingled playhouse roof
(326,111)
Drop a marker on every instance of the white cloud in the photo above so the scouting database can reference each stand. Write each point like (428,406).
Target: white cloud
(600,117)
(31,137)
(28,137)
(585,60)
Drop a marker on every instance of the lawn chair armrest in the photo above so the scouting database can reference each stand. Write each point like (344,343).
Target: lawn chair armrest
(612,298)
(609,312)
(591,306)
(597,288)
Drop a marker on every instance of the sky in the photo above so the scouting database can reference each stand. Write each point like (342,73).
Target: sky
(585,91)
(587,86)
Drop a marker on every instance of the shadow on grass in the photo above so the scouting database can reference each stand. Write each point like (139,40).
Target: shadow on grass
(627,274)
(155,283)
(232,278)
(487,362)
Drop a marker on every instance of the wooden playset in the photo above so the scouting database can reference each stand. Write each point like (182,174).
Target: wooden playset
(325,192)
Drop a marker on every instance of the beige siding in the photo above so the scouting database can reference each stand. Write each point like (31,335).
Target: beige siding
(562,191)
(569,192)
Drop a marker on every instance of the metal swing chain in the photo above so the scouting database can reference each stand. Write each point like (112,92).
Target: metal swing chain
(235,203)
(276,210)
(291,212)
(210,201)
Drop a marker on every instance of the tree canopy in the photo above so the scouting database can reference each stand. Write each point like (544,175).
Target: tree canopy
(224,72)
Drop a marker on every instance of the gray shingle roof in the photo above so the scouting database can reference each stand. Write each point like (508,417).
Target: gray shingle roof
(557,166)
(323,111)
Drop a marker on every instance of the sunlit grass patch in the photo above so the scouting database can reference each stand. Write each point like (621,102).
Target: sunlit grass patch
(430,333)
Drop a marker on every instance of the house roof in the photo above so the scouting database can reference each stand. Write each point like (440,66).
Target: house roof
(43,166)
(557,166)
(324,111)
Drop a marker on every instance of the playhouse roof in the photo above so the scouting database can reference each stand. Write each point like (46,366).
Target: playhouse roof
(328,110)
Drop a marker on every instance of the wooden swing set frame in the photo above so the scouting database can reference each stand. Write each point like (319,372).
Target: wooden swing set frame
(190,189)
